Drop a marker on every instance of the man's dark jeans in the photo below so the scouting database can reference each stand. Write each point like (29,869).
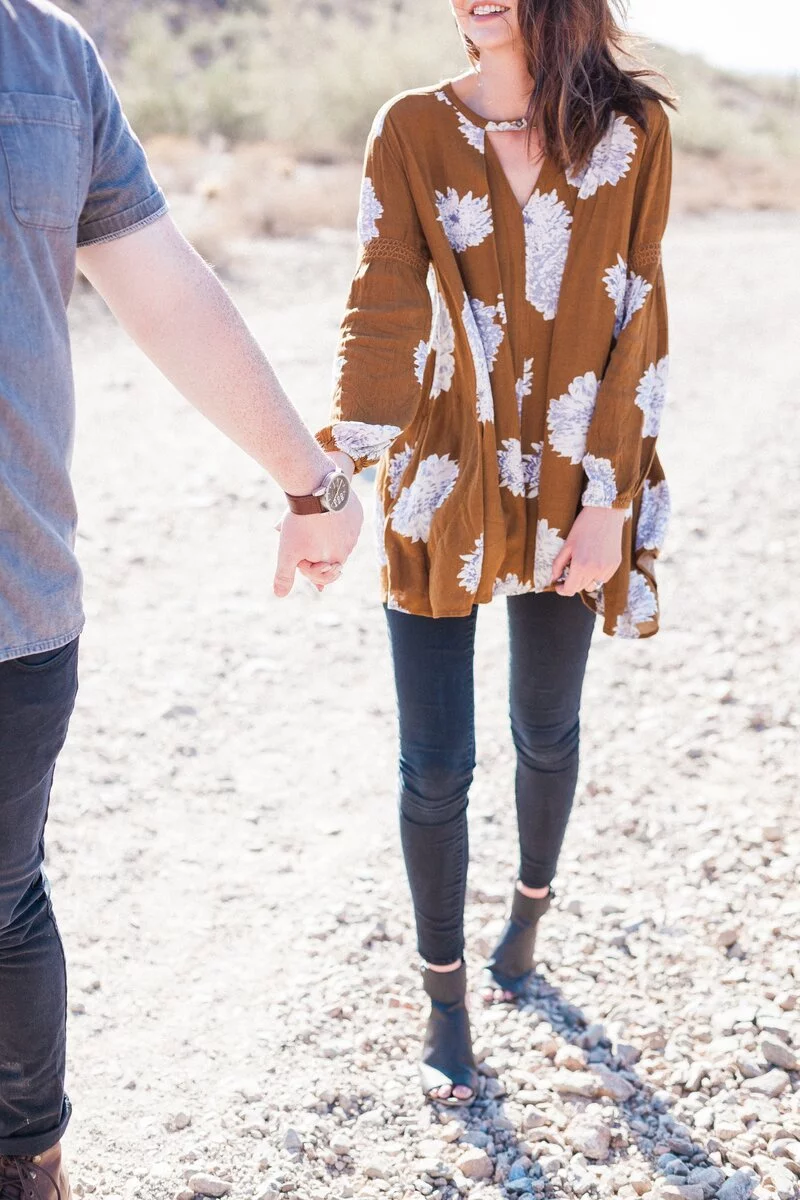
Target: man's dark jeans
(433,659)
(37,695)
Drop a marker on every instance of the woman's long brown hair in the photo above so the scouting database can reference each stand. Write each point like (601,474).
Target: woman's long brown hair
(573,50)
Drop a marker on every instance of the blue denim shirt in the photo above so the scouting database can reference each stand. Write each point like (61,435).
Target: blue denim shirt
(72,173)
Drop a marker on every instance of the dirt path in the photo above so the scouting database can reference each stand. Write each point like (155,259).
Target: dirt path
(222,843)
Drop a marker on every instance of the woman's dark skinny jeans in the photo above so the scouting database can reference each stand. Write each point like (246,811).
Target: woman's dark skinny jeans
(433,664)
(37,694)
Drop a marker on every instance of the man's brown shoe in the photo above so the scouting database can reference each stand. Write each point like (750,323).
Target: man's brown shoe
(39,1178)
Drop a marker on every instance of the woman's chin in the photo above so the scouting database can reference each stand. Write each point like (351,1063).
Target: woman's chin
(488,40)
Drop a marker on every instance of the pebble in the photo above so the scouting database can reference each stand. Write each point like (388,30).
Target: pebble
(177,1121)
(475,1164)
(784,1181)
(771,1084)
(739,1186)
(577,1083)
(590,1136)
(777,1053)
(710,1179)
(208,1185)
(613,1085)
(571,1057)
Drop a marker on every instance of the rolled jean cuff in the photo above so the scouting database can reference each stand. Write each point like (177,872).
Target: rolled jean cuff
(36,1143)
(536,877)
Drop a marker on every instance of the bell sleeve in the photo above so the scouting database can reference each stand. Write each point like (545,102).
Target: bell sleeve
(621,438)
(382,344)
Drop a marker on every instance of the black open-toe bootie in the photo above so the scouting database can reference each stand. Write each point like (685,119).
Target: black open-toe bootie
(447,1058)
(511,964)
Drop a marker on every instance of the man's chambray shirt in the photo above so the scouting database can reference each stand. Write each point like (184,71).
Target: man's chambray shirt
(72,174)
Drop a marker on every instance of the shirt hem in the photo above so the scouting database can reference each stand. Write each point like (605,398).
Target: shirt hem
(54,643)
(111,228)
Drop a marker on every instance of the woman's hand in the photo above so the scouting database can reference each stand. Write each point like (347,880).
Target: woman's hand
(592,552)
(318,546)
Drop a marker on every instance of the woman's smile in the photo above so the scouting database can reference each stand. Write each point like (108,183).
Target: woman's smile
(487,12)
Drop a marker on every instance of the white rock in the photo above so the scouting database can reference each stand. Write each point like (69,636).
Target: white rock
(613,1084)
(209,1185)
(577,1083)
(777,1053)
(771,1084)
(590,1136)
(784,1182)
(475,1164)
(571,1057)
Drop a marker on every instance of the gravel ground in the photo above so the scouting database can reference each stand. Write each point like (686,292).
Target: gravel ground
(245,1010)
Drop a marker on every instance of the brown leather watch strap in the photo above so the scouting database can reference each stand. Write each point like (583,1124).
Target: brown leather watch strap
(305,506)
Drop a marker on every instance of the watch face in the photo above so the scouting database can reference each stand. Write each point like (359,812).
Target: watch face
(337,492)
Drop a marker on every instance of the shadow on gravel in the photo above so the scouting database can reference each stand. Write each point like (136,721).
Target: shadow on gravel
(644,1119)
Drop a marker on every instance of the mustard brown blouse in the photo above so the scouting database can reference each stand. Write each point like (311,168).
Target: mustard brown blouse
(506,365)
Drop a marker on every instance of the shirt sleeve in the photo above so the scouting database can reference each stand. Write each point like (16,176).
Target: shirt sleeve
(122,195)
(382,345)
(622,434)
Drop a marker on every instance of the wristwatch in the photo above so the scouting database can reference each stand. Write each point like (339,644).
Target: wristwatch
(330,497)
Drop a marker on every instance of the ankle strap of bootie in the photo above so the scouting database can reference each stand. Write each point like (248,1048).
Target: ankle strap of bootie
(528,909)
(445,987)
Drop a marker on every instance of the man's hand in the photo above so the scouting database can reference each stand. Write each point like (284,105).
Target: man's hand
(592,551)
(318,546)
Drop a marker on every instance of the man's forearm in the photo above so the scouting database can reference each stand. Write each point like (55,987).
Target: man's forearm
(176,310)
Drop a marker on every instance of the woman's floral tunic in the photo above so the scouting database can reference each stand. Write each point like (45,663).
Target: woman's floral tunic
(506,365)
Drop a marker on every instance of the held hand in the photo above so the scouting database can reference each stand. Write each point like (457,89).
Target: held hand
(318,545)
(592,552)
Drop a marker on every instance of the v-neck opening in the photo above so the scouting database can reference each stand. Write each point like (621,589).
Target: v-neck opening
(487,125)
(507,182)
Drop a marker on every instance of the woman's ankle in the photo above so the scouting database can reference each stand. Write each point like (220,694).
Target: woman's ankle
(445,969)
(533,893)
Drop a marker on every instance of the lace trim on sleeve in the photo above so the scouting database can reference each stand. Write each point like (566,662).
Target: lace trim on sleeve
(647,255)
(396,251)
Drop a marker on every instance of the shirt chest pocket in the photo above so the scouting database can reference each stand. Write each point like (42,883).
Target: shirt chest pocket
(40,141)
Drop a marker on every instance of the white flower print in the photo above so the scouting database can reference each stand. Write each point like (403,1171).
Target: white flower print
(369,213)
(610,160)
(654,512)
(628,291)
(641,607)
(420,360)
(394,605)
(524,386)
(434,481)
(548,544)
(601,489)
(473,133)
(483,386)
(443,344)
(569,417)
(398,464)
(361,440)
(651,395)
(509,463)
(547,232)
(491,334)
(380,524)
(616,280)
(520,472)
(467,220)
(512,585)
(469,577)
(532,469)
(637,290)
